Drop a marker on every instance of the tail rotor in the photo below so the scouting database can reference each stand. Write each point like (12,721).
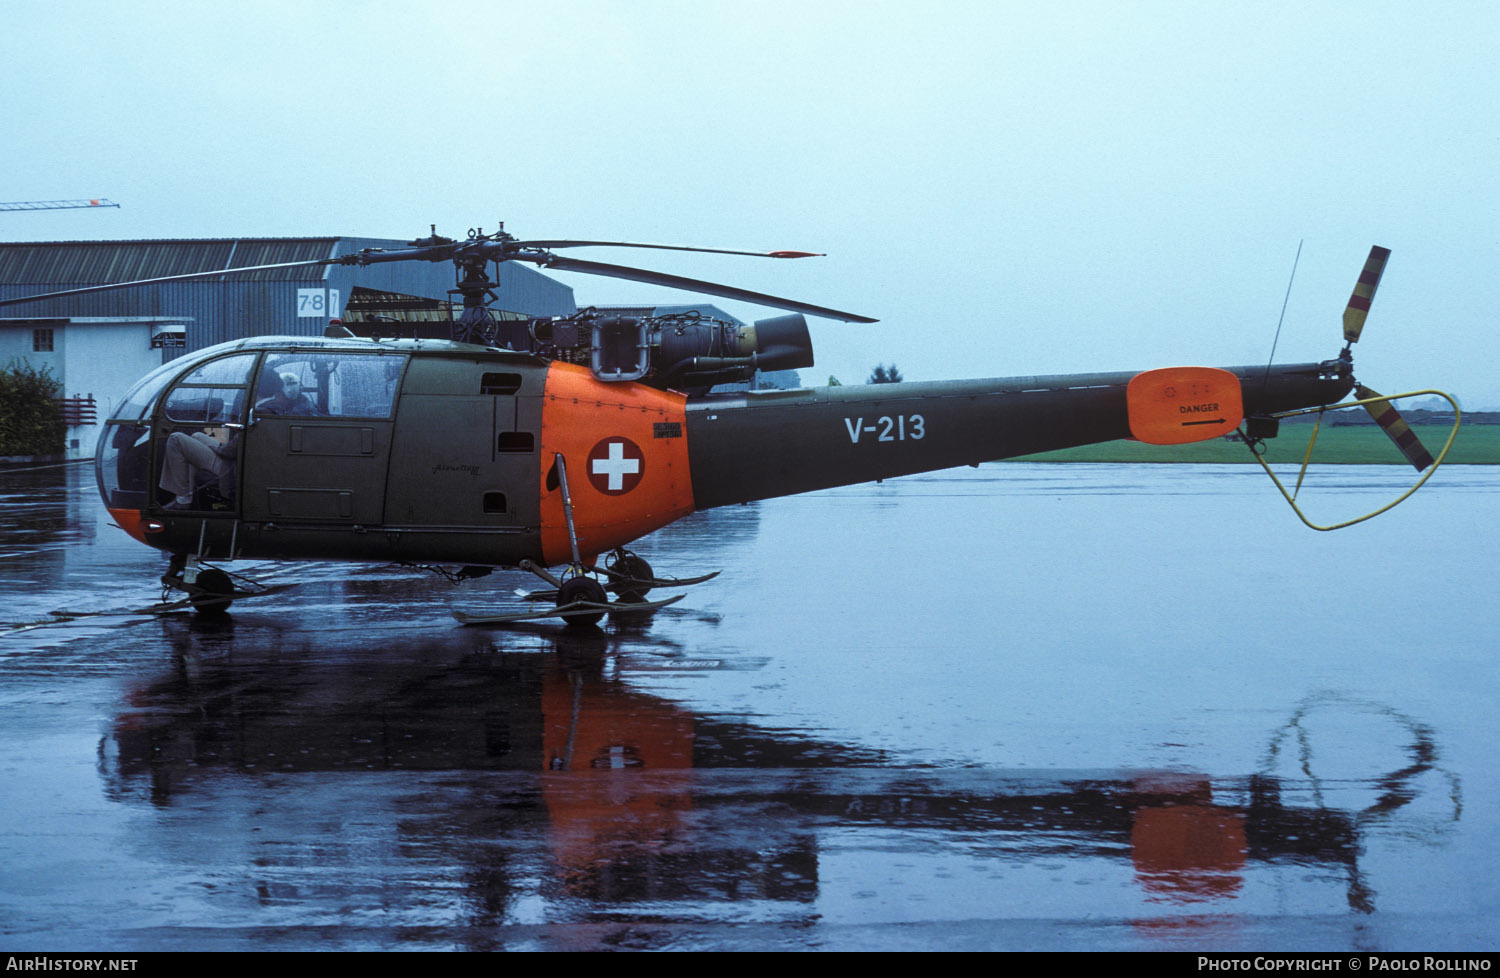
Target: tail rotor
(1380,407)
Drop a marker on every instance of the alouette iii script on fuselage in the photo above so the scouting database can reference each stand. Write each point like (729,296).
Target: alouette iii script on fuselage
(558,441)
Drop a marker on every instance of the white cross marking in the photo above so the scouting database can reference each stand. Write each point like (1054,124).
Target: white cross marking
(617,466)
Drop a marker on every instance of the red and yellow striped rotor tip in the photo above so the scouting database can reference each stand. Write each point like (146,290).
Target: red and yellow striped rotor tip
(1396,428)
(1364,292)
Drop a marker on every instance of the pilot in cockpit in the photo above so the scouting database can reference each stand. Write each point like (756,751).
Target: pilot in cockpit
(289,401)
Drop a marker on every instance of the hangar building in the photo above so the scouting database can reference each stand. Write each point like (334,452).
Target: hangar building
(97,345)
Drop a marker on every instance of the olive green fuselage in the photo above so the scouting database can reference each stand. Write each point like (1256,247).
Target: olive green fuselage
(437,452)
(774,443)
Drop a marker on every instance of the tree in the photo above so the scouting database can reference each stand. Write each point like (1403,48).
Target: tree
(884,375)
(30,423)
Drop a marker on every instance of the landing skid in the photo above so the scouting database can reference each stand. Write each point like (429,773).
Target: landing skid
(624,581)
(621,584)
(572,610)
(209,590)
(64,617)
(206,599)
(579,598)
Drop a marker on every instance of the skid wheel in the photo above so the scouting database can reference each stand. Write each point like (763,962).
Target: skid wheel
(635,567)
(582,589)
(216,583)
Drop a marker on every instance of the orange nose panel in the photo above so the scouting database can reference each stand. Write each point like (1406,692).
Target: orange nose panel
(625,447)
(131,522)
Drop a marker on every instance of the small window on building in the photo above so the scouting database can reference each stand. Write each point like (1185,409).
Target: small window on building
(494,502)
(41,341)
(169,337)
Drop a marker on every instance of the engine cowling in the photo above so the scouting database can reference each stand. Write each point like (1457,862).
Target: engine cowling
(679,350)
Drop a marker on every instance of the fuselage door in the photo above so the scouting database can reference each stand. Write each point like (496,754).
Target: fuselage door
(196,437)
(319,437)
(466,448)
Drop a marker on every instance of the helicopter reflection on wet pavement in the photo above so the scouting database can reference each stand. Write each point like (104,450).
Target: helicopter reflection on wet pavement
(801,756)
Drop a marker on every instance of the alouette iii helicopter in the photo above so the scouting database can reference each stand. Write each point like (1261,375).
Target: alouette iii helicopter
(544,442)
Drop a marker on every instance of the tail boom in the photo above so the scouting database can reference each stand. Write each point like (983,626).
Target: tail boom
(774,443)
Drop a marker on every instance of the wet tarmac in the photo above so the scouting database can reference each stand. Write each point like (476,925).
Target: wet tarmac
(1012,707)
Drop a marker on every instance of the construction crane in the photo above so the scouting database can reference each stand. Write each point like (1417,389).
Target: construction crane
(53,205)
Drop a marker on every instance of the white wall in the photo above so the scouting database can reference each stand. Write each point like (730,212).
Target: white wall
(105,360)
(15,344)
(102,359)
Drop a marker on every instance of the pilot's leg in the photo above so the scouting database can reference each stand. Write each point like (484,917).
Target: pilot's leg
(184,455)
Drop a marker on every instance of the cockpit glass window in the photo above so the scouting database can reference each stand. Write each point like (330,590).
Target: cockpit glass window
(138,399)
(205,405)
(341,385)
(123,464)
(224,371)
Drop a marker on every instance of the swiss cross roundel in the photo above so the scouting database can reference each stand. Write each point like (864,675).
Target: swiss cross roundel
(616,465)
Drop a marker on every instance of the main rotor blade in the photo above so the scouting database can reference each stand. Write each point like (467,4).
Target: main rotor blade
(1396,428)
(690,285)
(165,278)
(1364,292)
(662,247)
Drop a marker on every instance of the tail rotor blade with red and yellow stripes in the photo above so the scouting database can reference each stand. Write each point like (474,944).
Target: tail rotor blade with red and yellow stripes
(1396,428)
(1364,292)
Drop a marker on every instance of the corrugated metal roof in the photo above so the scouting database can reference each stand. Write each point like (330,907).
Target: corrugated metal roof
(235,306)
(63,263)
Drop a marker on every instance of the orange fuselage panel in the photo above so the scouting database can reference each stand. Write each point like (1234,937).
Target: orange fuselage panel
(625,447)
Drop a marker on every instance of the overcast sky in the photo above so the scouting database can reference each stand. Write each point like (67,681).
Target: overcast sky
(1011,188)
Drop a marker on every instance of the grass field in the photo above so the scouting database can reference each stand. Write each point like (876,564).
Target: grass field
(1346,445)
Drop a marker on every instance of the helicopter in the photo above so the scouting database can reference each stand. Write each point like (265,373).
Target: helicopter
(534,443)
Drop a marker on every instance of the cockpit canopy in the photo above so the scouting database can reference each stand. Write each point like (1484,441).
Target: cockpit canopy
(227,386)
